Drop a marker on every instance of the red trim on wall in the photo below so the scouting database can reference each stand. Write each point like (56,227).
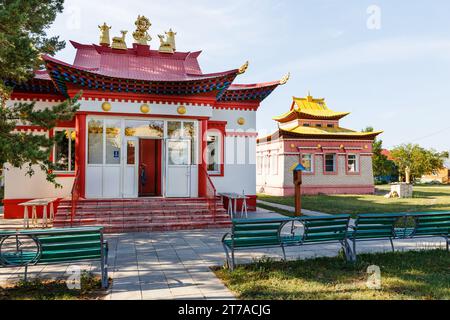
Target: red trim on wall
(36,97)
(135,97)
(12,210)
(122,114)
(202,192)
(80,151)
(219,126)
(32,128)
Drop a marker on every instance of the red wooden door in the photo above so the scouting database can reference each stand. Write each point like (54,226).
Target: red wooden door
(149,167)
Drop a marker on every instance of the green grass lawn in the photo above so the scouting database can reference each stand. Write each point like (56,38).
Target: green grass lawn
(39,289)
(404,275)
(426,198)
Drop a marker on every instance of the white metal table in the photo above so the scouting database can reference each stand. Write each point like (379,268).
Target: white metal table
(232,203)
(44,203)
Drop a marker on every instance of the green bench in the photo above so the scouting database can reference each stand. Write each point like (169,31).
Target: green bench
(391,226)
(53,246)
(266,233)
(430,225)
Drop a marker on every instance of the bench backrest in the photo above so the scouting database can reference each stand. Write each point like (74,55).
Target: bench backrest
(325,228)
(432,224)
(253,232)
(376,225)
(68,244)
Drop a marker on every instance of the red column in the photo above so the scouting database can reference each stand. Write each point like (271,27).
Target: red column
(80,153)
(202,192)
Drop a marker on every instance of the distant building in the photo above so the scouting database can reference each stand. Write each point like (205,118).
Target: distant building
(441,176)
(338,160)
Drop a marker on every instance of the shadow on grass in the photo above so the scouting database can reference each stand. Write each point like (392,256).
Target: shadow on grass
(404,275)
(425,199)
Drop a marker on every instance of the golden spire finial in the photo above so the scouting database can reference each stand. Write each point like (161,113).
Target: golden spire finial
(141,35)
(285,79)
(309,97)
(167,42)
(243,68)
(104,35)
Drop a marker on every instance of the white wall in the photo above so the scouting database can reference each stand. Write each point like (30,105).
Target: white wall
(21,186)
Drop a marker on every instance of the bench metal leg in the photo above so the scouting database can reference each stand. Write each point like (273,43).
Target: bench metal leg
(447,242)
(284,253)
(392,244)
(354,250)
(233,264)
(227,256)
(347,251)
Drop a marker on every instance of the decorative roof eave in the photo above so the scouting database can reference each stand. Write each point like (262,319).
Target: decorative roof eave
(336,135)
(295,115)
(34,86)
(252,92)
(63,74)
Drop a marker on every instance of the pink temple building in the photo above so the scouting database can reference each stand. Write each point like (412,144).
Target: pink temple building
(337,160)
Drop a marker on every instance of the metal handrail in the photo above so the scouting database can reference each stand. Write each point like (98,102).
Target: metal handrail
(75,197)
(211,193)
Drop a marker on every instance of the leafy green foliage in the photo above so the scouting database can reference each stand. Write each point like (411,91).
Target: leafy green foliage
(382,166)
(23,39)
(421,275)
(413,160)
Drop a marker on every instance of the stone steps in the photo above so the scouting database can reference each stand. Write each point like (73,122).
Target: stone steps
(134,215)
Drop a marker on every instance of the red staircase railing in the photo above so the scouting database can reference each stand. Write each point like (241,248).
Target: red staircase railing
(211,193)
(76,188)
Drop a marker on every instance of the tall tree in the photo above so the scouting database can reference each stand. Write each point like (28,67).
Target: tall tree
(382,166)
(23,38)
(414,161)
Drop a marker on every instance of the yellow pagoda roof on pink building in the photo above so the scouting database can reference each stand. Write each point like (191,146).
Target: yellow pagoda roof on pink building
(309,107)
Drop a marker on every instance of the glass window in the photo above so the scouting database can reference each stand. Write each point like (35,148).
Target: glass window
(318,125)
(144,129)
(178,153)
(330,125)
(190,132)
(330,163)
(95,141)
(306,160)
(131,152)
(306,124)
(352,163)
(113,141)
(213,150)
(64,151)
(174,129)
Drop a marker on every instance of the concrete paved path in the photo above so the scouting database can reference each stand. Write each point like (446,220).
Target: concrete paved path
(291,209)
(176,265)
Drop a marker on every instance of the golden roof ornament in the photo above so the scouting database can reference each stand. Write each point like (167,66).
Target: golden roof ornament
(104,35)
(285,79)
(141,35)
(167,42)
(243,68)
(119,42)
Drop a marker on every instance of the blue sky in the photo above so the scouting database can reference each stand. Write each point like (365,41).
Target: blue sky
(395,78)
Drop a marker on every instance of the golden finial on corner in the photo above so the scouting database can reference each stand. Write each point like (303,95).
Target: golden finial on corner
(285,79)
(243,68)
(141,35)
(104,35)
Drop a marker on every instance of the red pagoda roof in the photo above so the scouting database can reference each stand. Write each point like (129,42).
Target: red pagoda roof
(141,70)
